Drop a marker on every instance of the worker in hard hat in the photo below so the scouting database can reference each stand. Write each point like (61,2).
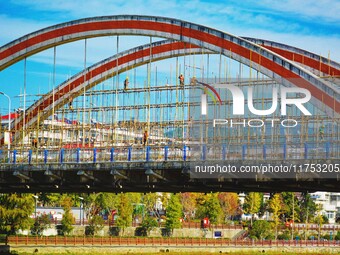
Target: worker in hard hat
(126,83)
(181,80)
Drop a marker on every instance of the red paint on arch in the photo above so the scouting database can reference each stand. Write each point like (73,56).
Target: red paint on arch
(305,60)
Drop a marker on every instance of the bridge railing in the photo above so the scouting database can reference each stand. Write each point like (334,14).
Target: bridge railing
(148,153)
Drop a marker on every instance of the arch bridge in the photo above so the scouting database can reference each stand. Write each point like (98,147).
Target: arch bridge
(86,144)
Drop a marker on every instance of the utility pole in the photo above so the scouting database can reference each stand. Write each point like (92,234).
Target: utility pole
(9,125)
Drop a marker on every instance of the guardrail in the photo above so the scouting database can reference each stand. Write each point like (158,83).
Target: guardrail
(161,241)
(325,227)
(32,156)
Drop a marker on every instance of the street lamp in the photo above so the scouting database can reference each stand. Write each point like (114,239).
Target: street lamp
(9,124)
(81,203)
(35,209)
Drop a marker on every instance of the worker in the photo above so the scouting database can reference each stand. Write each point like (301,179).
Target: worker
(70,102)
(145,137)
(35,143)
(126,83)
(181,80)
(193,80)
(321,132)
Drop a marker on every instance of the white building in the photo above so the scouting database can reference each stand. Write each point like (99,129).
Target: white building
(329,202)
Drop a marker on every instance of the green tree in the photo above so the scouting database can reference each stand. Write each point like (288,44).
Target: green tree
(15,212)
(337,237)
(260,230)
(135,198)
(150,199)
(319,219)
(173,213)
(96,203)
(146,226)
(96,223)
(307,207)
(50,199)
(252,204)
(210,207)
(67,221)
(125,210)
(263,205)
(291,208)
(276,208)
(40,224)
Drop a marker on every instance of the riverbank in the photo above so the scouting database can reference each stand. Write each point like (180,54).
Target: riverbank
(120,250)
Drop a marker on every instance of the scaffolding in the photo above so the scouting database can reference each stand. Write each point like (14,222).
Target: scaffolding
(113,114)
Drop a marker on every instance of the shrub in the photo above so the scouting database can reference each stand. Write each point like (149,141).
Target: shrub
(337,236)
(284,236)
(147,225)
(40,224)
(261,229)
(96,223)
(114,231)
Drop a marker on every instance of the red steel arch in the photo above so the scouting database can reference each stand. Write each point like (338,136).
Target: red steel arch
(242,50)
(317,62)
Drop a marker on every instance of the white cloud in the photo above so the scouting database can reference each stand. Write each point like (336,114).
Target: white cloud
(12,27)
(217,15)
(326,9)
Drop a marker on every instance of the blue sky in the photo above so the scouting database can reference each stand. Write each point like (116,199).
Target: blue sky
(312,25)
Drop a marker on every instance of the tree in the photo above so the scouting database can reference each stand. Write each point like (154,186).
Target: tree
(337,237)
(276,206)
(67,221)
(15,212)
(99,203)
(125,211)
(135,197)
(308,208)
(147,225)
(173,213)
(229,203)
(210,207)
(291,208)
(40,224)
(150,199)
(319,219)
(188,201)
(263,206)
(164,197)
(252,204)
(260,229)
(50,199)
(96,223)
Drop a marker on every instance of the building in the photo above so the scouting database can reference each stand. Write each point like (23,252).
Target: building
(329,204)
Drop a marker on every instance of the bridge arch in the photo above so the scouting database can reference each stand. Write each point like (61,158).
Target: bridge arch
(266,61)
(310,59)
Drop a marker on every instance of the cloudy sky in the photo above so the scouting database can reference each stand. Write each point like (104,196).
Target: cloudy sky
(308,24)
